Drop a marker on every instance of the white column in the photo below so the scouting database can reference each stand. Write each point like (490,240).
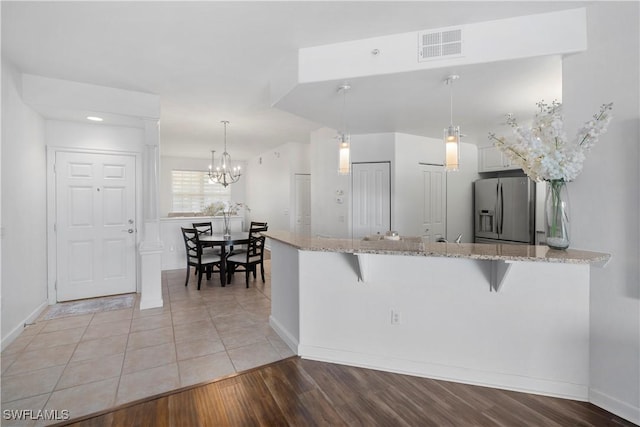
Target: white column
(151,246)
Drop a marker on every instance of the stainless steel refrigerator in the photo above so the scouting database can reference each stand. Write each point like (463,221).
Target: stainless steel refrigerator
(504,210)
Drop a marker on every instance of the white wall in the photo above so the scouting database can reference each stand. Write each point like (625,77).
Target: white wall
(451,326)
(326,214)
(555,33)
(406,216)
(131,126)
(269,182)
(25,139)
(605,199)
(373,147)
(329,218)
(24,267)
(94,136)
(285,294)
(460,194)
(410,151)
(405,152)
(299,163)
(129,106)
(167,164)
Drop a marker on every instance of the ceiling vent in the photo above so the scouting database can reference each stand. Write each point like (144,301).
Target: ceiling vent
(439,44)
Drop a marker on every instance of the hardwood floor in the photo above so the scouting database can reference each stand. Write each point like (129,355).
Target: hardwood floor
(298,392)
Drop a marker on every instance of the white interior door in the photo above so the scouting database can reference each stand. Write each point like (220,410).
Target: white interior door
(434,211)
(303,204)
(371,189)
(95,228)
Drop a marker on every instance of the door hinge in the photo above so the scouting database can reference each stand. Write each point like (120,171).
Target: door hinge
(54,168)
(55,285)
(55,228)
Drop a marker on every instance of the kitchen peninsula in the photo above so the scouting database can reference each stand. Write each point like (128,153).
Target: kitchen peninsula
(506,316)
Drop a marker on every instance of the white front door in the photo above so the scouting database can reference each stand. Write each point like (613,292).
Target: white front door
(434,211)
(303,204)
(95,228)
(371,190)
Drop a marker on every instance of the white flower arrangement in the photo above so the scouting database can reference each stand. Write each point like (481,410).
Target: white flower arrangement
(226,208)
(543,151)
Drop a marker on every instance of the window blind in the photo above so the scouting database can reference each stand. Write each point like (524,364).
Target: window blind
(192,191)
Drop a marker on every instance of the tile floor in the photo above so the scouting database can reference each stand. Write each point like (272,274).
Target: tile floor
(90,362)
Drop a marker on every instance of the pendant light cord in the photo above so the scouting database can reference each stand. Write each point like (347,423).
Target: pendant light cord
(344,111)
(344,88)
(451,103)
(449,81)
(225,122)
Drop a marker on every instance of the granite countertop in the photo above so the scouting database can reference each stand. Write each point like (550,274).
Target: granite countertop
(414,246)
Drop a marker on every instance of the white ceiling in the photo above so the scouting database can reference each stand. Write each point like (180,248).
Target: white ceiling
(213,61)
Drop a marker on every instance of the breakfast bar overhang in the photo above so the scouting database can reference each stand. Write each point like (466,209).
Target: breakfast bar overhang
(507,316)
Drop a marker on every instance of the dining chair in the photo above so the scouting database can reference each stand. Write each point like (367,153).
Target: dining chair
(249,260)
(254,229)
(206,228)
(203,261)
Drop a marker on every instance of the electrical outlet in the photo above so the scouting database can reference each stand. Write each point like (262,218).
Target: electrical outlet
(396,317)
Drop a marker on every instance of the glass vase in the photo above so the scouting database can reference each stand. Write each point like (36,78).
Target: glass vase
(557,214)
(227,226)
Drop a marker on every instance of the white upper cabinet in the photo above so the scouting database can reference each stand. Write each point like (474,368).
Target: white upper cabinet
(491,159)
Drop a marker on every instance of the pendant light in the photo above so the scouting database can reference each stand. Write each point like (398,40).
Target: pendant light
(225,173)
(452,134)
(344,140)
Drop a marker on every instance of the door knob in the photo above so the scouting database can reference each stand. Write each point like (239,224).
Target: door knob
(130,231)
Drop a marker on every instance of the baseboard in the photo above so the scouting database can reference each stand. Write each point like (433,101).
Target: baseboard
(449,373)
(615,406)
(15,332)
(289,339)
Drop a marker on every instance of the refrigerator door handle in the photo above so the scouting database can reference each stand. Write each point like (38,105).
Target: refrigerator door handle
(497,222)
(501,209)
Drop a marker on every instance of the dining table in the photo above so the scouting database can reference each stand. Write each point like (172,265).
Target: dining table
(224,242)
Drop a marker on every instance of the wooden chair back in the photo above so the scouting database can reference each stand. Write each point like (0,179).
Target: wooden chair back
(191,245)
(256,248)
(257,227)
(203,227)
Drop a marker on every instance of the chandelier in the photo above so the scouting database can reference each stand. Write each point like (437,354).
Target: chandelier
(452,133)
(224,173)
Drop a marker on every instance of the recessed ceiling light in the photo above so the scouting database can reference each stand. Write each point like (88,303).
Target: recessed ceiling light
(94,118)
